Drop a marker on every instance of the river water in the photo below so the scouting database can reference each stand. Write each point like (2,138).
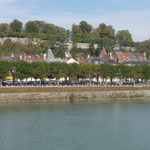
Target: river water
(117,125)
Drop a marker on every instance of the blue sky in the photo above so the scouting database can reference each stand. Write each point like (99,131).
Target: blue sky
(121,14)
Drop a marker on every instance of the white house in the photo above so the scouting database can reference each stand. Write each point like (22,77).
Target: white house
(71,61)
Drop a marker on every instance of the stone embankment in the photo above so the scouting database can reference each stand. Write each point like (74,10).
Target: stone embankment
(36,41)
(73,96)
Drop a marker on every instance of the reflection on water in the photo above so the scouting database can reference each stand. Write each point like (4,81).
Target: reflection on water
(109,125)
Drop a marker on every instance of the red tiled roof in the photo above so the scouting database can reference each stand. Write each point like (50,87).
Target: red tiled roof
(123,56)
(33,58)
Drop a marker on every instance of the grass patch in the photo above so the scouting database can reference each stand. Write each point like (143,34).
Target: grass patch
(67,89)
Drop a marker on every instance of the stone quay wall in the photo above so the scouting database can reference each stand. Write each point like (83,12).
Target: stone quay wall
(73,96)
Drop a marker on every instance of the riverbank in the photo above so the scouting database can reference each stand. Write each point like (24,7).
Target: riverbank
(17,89)
(44,94)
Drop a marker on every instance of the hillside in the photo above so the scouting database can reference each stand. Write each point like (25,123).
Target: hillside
(34,37)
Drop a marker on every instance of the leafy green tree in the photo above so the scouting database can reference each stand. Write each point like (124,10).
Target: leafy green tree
(41,25)
(23,70)
(16,26)
(59,51)
(125,38)
(85,27)
(86,71)
(68,71)
(4,70)
(61,34)
(146,72)
(123,71)
(143,47)
(104,71)
(49,73)
(107,37)
(31,27)
(106,31)
(4,28)
(49,29)
(108,71)
(8,46)
(12,70)
(136,72)
(96,71)
(112,72)
(75,71)
(57,71)
(39,70)
(76,33)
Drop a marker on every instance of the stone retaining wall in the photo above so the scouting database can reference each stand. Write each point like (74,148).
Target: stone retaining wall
(73,96)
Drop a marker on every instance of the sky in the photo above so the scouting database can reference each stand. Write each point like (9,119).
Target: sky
(132,15)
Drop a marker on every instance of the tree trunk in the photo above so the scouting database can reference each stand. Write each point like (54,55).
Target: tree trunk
(90,82)
(103,81)
(13,80)
(97,79)
(111,81)
(26,82)
(65,78)
(0,82)
(57,82)
(20,82)
(49,82)
(40,82)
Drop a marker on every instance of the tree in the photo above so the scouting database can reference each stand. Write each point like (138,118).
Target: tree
(112,72)
(76,33)
(123,71)
(59,51)
(136,72)
(108,71)
(87,71)
(96,70)
(75,71)
(4,70)
(146,72)
(39,70)
(107,37)
(106,31)
(57,71)
(125,38)
(41,25)
(104,71)
(23,70)
(8,46)
(31,27)
(61,34)
(143,47)
(4,28)
(12,70)
(85,27)
(49,72)
(16,26)
(67,70)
